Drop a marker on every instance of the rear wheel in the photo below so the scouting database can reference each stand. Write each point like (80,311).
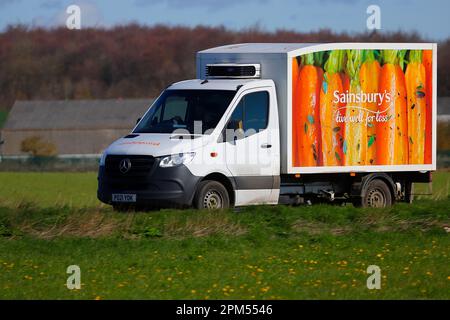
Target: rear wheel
(377,195)
(211,195)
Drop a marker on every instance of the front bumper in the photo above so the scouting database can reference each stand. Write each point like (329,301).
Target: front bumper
(159,187)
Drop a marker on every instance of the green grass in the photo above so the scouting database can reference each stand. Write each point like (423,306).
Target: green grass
(3,115)
(49,189)
(49,221)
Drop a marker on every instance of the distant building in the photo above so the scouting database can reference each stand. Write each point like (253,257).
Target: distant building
(443,111)
(74,127)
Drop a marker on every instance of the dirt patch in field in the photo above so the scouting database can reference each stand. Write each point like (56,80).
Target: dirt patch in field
(376,222)
(203,225)
(316,228)
(90,225)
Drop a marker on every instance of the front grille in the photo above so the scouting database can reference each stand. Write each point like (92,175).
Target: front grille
(139,166)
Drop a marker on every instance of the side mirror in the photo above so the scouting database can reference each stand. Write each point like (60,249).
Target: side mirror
(137,121)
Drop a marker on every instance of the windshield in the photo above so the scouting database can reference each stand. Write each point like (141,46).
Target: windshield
(193,111)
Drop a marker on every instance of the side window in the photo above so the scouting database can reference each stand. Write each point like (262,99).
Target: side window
(175,108)
(251,114)
(256,111)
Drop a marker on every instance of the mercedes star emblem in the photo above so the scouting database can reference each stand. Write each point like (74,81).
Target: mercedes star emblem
(125,165)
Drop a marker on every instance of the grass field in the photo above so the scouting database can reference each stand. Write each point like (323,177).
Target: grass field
(49,221)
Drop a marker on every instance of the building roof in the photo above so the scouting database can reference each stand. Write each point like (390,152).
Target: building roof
(76,114)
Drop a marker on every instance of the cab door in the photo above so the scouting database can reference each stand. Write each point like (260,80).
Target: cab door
(252,147)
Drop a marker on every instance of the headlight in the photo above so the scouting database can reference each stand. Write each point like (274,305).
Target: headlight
(102,159)
(176,159)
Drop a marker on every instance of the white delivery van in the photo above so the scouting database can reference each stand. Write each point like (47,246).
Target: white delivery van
(268,123)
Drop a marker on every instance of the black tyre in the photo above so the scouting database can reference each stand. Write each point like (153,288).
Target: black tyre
(377,195)
(211,195)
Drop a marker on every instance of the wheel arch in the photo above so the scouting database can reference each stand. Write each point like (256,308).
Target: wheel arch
(223,179)
(381,176)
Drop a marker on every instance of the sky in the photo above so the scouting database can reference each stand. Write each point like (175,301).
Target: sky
(430,18)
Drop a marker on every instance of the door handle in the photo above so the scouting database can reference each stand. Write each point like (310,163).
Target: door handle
(266,146)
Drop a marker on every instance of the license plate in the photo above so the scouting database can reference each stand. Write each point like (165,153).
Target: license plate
(121,197)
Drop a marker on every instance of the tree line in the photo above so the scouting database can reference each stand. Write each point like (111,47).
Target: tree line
(132,61)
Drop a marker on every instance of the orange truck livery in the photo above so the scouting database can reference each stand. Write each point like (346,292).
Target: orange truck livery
(375,105)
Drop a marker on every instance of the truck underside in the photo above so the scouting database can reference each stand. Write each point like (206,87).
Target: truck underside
(362,189)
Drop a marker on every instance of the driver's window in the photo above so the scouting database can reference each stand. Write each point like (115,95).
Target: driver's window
(250,116)
(175,107)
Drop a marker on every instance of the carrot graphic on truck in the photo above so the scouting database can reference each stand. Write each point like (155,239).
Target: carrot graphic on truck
(427,58)
(417,106)
(295,111)
(370,78)
(332,132)
(306,113)
(392,132)
(355,143)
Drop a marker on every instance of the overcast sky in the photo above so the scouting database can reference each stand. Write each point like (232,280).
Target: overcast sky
(429,18)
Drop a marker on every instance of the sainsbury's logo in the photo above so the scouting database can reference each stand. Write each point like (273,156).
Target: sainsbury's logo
(361,97)
(357,108)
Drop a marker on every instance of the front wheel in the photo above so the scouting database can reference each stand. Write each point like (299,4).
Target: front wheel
(211,195)
(377,195)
